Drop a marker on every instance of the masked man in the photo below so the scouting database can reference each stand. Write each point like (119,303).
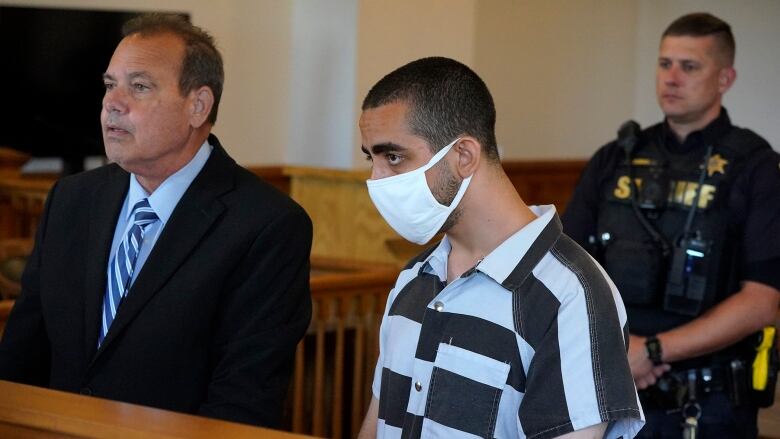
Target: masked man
(506,328)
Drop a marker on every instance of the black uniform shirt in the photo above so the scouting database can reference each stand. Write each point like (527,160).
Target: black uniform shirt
(754,201)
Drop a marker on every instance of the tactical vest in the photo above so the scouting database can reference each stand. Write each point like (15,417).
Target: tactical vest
(635,262)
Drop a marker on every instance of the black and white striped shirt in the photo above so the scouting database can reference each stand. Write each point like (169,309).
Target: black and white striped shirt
(531,342)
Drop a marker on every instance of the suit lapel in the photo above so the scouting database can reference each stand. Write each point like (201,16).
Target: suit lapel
(192,218)
(105,206)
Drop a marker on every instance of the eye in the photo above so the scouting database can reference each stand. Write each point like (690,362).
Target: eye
(689,66)
(108,85)
(368,158)
(664,63)
(139,87)
(393,159)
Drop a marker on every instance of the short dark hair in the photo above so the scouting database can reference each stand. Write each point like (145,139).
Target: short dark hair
(702,24)
(446,99)
(202,63)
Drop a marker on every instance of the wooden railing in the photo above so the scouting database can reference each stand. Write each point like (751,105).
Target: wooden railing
(5,310)
(21,205)
(335,361)
(13,258)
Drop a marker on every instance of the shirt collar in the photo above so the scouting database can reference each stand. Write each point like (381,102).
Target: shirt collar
(503,260)
(701,138)
(165,198)
(436,262)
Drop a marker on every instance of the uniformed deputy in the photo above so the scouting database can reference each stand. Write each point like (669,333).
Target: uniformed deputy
(684,217)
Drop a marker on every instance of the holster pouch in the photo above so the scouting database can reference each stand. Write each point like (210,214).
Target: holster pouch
(739,385)
(765,365)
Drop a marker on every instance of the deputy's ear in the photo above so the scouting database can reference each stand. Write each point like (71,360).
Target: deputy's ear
(469,152)
(202,100)
(726,79)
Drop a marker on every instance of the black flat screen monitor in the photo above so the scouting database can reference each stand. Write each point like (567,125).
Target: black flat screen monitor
(51,66)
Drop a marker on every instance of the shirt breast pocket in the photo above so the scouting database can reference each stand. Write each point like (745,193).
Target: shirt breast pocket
(464,393)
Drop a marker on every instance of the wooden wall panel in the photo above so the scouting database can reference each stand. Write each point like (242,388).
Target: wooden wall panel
(545,181)
(273,175)
(346,224)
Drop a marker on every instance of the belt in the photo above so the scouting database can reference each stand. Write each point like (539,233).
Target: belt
(708,379)
(671,389)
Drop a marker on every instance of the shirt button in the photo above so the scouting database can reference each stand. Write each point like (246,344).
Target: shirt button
(438,306)
(418,386)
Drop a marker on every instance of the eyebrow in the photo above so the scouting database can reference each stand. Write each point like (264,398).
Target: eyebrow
(142,74)
(133,75)
(381,148)
(669,58)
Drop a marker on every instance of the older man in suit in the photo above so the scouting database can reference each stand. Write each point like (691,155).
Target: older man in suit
(172,278)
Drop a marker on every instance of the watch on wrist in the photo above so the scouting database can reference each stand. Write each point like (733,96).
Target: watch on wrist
(654,352)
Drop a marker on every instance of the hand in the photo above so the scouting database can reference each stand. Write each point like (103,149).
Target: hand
(643,370)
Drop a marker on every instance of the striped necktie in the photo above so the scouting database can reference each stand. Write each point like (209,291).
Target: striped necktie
(123,264)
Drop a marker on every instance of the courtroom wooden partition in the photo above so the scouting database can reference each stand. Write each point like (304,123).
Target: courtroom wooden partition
(545,181)
(334,363)
(5,311)
(346,224)
(21,204)
(331,196)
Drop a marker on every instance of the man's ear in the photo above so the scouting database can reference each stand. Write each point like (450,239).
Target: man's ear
(469,153)
(202,100)
(726,79)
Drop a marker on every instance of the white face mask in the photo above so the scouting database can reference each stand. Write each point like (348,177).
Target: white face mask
(405,201)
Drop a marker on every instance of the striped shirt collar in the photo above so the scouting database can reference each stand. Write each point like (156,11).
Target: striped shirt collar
(505,258)
(165,198)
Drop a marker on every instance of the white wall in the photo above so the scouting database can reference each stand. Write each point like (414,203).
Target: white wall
(322,89)
(393,33)
(255,39)
(561,72)
(564,74)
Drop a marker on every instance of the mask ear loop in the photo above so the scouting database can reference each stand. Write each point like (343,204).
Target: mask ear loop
(462,190)
(438,156)
(421,170)
(464,184)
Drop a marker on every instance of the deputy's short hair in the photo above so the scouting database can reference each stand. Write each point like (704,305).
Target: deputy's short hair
(702,24)
(446,99)
(202,63)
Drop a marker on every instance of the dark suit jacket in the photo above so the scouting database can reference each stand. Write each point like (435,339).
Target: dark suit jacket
(210,324)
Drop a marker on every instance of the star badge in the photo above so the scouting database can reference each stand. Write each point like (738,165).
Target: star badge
(716,164)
